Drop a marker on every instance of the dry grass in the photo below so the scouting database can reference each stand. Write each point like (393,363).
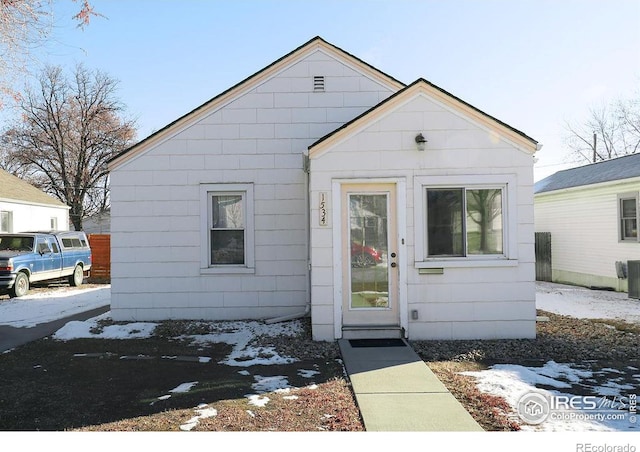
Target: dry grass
(40,390)
(620,325)
(491,412)
(561,339)
(326,407)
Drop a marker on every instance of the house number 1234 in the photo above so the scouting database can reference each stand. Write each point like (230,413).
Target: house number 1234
(324,220)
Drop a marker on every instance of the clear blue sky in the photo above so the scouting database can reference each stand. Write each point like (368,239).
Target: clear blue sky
(532,64)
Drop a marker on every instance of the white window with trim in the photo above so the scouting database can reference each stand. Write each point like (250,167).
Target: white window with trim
(227,228)
(6,221)
(628,214)
(465,220)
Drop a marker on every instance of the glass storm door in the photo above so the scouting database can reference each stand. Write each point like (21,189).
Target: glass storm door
(370,270)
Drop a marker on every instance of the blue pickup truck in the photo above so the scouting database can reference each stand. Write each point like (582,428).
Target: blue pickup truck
(30,257)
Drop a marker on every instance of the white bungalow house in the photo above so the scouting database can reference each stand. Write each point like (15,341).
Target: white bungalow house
(592,213)
(24,207)
(323,186)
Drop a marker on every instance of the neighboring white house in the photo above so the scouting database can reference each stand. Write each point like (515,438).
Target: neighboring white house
(322,185)
(23,207)
(592,213)
(100,223)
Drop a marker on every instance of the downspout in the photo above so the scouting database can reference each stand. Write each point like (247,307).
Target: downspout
(284,318)
(307,308)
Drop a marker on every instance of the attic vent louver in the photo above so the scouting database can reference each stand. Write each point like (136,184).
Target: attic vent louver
(318,83)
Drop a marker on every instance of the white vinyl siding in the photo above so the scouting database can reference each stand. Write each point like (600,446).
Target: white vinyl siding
(478,296)
(159,217)
(584,223)
(20,217)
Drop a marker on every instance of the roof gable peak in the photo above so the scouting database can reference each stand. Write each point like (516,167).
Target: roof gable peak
(422,86)
(249,83)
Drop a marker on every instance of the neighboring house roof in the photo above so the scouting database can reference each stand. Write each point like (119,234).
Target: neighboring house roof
(245,86)
(610,170)
(422,86)
(14,189)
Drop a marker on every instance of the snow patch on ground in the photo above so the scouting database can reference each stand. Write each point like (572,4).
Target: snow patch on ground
(605,386)
(240,335)
(583,303)
(203,411)
(43,307)
(602,410)
(505,380)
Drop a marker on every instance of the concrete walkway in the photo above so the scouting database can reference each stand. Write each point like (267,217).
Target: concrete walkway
(396,391)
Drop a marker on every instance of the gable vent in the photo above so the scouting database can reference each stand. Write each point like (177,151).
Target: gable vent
(318,83)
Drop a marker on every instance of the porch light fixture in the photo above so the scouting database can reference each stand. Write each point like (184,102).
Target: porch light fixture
(421,142)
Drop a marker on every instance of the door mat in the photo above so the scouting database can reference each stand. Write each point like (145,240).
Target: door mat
(358,343)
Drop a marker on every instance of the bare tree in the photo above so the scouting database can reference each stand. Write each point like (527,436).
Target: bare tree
(68,129)
(611,130)
(24,26)
(629,114)
(484,206)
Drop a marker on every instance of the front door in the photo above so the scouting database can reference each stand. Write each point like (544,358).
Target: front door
(369,256)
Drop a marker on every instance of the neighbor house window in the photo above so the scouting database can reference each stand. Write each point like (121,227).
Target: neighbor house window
(227,236)
(54,223)
(464,222)
(6,221)
(628,216)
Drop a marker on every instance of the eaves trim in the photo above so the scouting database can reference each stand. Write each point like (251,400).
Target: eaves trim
(585,187)
(38,204)
(333,136)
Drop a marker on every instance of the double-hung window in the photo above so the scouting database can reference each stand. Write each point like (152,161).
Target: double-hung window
(226,238)
(628,217)
(227,228)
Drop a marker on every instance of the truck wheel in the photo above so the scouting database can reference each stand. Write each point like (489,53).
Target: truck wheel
(20,286)
(77,277)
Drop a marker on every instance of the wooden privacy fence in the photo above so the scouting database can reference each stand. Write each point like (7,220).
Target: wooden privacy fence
(100,258)
(543,256)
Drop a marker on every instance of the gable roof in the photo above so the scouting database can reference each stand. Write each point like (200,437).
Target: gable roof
(248,84)
(625,167)
(14,189)
(422,86)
